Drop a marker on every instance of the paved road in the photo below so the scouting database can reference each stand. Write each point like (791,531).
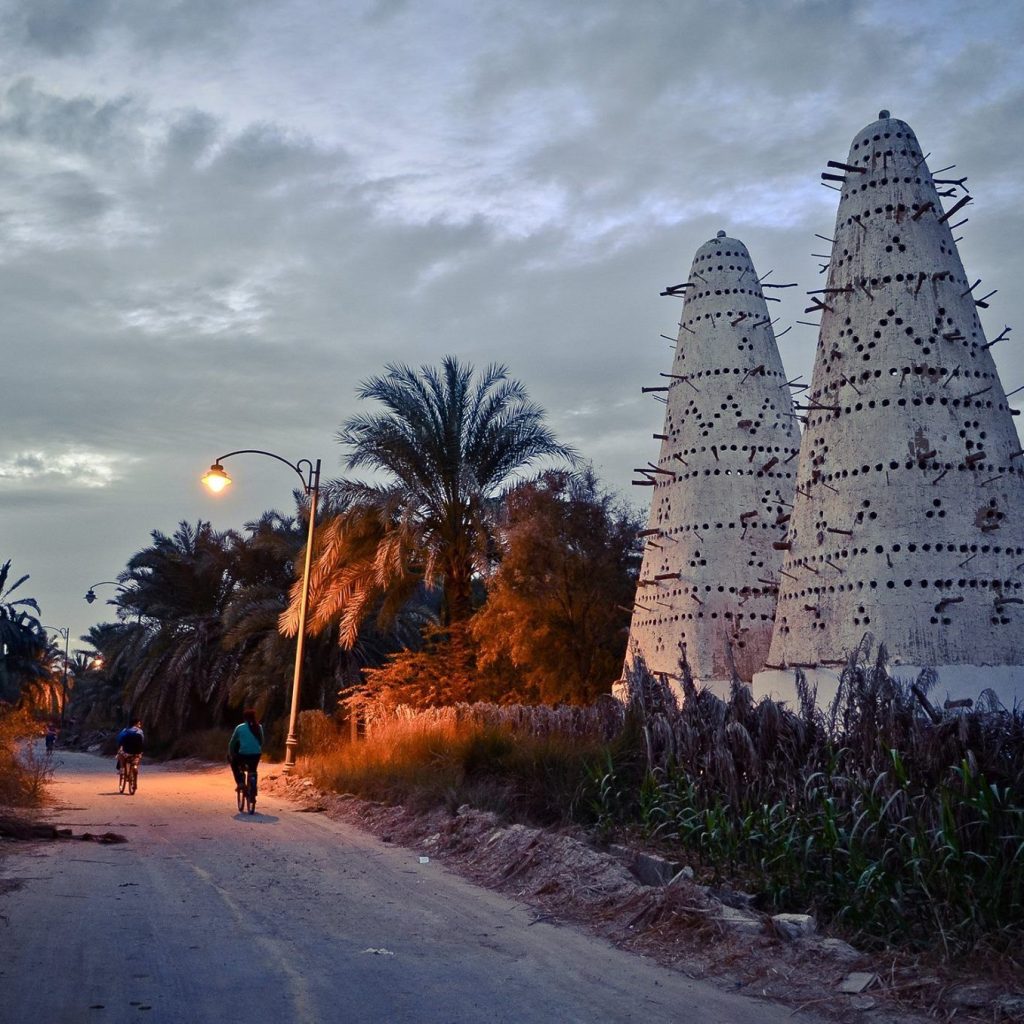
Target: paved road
(210,916)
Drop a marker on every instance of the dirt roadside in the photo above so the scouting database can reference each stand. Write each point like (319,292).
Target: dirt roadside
(710,935)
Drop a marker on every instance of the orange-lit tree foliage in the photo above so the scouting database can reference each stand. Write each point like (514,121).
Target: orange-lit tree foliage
(557,612)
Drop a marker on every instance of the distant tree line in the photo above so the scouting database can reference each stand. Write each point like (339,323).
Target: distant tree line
(478,561)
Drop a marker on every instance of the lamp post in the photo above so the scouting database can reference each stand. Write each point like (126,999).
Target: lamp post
(90,594)
(64,632)
(216,480)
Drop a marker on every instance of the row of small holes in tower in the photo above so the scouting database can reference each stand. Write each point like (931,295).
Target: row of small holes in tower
(698,296)
(728,313)
(737,617)
(847,553)
(912,464)
(868,375)
(725,371)
(707,588)
(688,527)
(693,474)
(997,586)
(896,179)
(955,403)
(884,154)
(866,141)
(718,253)
(765,449)
(902,277)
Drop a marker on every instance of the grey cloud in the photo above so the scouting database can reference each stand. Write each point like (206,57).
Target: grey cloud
(61,28)
(100,130)
(74,198)
(267,156)
(198,264)
(190,138)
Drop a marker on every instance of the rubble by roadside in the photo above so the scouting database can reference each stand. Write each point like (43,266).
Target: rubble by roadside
(654,907)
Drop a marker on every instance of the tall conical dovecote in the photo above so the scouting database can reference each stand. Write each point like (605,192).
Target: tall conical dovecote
(908,517)
(723,483)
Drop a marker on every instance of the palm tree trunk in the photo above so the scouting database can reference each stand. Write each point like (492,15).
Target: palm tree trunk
(458,593)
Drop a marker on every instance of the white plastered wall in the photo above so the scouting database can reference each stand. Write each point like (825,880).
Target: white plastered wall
(907,517)
(722,484)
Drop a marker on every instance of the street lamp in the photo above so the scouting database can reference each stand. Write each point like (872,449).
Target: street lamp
(216,480)
(90,594)
(64,632)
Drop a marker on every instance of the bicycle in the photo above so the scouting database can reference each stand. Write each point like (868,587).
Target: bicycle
(128,773)
(246,793)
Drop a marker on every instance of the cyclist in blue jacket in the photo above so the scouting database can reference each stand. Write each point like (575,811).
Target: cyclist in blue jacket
(130,741)
(246,746)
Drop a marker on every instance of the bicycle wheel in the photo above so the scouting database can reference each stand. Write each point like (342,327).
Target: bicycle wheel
(133,779)
(250,793)
(122,779)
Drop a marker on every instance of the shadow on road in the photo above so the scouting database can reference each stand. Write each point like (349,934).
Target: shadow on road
(257,818)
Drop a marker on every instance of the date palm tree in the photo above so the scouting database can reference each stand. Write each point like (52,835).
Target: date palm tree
(445,446)
(175,670)
(23,641)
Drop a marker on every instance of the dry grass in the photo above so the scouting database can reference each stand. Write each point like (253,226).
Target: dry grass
(24,772)
(452,758)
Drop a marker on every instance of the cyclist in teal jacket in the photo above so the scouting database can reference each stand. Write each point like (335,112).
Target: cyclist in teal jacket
(246,746)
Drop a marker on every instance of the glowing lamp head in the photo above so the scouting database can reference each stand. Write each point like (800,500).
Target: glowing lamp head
(216,479)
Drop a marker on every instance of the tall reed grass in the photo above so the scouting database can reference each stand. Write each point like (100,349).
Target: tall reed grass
(901,823)
(898,822)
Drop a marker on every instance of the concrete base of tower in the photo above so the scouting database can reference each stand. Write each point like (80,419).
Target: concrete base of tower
(955,682)
(719,687)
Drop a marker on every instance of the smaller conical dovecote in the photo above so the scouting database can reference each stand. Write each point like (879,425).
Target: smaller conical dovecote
(907,520)
(723,483)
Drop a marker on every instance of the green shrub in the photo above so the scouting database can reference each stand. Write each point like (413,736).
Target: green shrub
(899,823)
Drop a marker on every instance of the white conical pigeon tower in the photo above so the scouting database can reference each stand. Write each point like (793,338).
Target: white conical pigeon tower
(723,482)
(908,519)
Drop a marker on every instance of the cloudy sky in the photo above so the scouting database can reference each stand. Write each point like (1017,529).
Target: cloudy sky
(217,217)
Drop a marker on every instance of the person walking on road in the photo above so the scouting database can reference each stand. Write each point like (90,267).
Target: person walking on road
(246,746)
